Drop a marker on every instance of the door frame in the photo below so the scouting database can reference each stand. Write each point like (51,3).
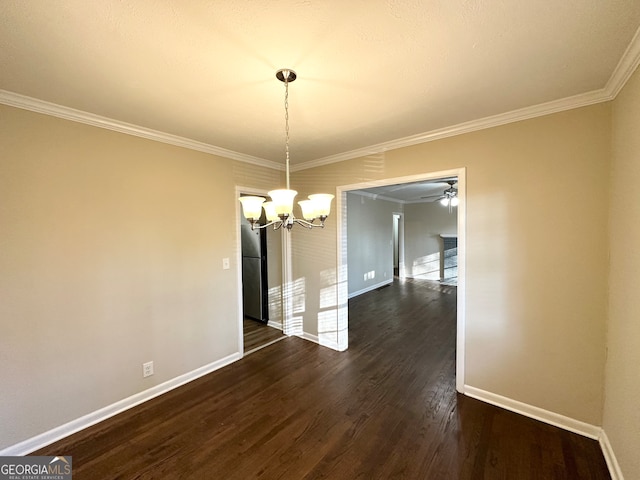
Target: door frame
(343,300)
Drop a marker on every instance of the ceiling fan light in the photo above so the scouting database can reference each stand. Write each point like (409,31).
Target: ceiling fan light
(444,201)
(455,202)
(283,201)
(252,206)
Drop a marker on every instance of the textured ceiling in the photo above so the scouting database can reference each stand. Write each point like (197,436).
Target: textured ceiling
(369,71)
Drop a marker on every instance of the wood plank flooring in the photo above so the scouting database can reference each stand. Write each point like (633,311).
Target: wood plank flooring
(257,334)
(385,409)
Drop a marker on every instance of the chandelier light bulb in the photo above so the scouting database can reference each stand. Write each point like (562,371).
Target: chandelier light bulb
(283,201)
(308,210)
(322,202)
(252,207)
(270,211)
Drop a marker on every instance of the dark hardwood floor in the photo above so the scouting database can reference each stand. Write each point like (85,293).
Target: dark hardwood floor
(256,334)
(385,409)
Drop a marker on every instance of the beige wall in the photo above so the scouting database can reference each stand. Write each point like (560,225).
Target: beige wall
(622,399)
(274,273)
(111,252)
(370,246)
(537,200)
(423,225)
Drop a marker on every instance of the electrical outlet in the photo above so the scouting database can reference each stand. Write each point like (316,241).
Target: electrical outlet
(147,369)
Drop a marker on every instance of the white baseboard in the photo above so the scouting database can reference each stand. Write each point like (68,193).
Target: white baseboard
(58,433)
(309,337)
(315,339)
(264,345)
(277,325)
(370,288)
(555,419)
(612,462)
(329,344)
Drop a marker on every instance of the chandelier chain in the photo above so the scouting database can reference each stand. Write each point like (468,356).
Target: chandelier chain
(286,121)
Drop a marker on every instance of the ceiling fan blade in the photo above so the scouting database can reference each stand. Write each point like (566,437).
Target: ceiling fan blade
(433,200)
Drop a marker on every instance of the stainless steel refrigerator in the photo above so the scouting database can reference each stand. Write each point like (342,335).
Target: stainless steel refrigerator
(254,272)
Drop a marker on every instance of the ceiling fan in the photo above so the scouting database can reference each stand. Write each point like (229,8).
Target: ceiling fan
(449,197)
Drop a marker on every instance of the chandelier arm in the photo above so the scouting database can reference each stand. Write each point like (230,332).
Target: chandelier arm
(309,225)
(256,226)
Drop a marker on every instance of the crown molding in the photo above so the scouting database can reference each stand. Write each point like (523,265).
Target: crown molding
(555,106)
(621,74)
(625,68)
(40,106)
(375,196)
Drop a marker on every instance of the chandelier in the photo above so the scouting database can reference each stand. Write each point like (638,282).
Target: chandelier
(279,211)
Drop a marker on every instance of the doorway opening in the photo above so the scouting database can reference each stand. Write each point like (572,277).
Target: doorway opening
(398,245)
(255,291)
(426,267)
(261,284)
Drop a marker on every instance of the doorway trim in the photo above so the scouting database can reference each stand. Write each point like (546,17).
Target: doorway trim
(343,291)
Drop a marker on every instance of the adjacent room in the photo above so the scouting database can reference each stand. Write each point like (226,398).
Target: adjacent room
(457,279)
